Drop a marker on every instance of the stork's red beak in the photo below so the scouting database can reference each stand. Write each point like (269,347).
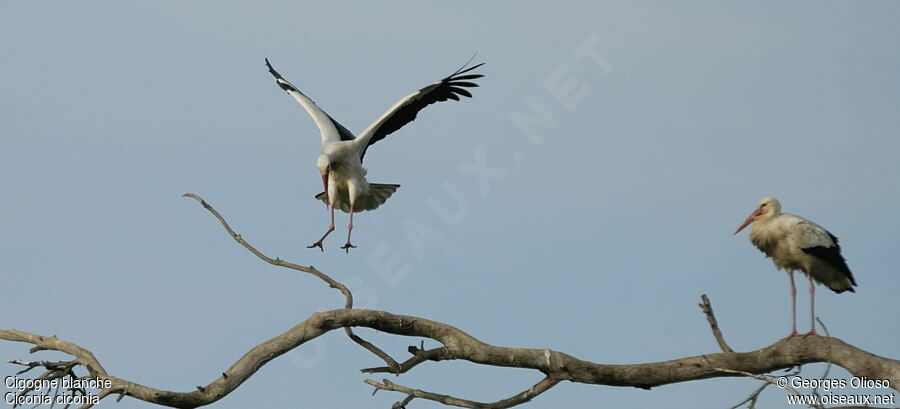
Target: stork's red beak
(325,183)
(748,221)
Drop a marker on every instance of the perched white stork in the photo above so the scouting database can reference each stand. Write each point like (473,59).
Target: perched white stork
(340,162)
(795,243)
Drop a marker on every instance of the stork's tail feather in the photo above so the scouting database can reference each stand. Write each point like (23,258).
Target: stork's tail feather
(829,267)
(377,194)
(380,192)
(840,286)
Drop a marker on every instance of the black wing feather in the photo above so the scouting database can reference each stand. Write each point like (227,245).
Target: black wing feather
(469,77)
(451,87)
(346,135)
(461,91)
(832,256)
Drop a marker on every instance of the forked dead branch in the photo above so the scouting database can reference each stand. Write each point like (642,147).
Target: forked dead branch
(458,345)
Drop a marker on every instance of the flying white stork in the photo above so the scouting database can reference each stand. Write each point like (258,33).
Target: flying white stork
(340,162)
(795,243)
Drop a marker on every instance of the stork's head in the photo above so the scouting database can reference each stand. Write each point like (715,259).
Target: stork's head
(324,164)
(766,208)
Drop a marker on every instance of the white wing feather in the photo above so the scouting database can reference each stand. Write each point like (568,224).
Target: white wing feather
(326,125)
(323,121)
(808,234)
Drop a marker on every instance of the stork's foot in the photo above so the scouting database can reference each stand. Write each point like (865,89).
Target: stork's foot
(347,246)
(812,332)
(791,335)
(316,244)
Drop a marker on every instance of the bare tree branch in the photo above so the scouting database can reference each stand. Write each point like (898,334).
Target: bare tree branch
(754,396)
(402,404)
(458,345)
(518,399)
(706,307)
(769,380)
(419,356)
(392,364)
(462,346)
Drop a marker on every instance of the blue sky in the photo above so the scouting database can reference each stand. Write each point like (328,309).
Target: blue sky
(597,241)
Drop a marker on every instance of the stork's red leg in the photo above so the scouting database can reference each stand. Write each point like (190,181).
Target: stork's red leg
(347,246)
(812,307)
(330,229)
(793,306)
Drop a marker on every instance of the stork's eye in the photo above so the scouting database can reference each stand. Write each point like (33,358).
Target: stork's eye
(762,205)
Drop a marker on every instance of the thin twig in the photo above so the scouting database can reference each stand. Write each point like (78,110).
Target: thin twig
(402,404)
(706,307)
(767,379)
(419,356)
(815,390)
(520,398)
(753,397)
(391,363)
